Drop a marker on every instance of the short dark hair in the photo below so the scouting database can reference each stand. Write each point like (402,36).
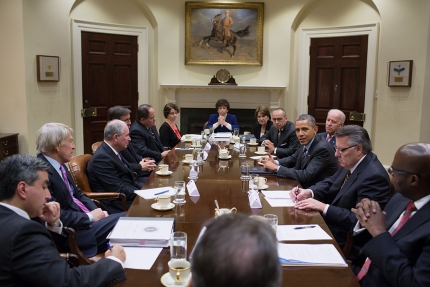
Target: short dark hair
(264,110)
(168,107)
(222,103)
(236,250)
(143,112)
(356,136)
(17,168)
(116,112)
(307,117)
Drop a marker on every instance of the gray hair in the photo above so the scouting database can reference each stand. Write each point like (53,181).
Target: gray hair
(280,109)
(50,136)
(307,117)
(356,136)
(114,127)
(17,168)
(229,250)
(116,112)
(342,115)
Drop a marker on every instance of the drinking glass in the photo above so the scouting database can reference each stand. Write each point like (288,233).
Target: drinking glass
(179,187)
(272,220)
(236,132)
(178,246)
(242,150)
(254,182)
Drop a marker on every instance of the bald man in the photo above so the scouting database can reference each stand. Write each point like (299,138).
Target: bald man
(399,252)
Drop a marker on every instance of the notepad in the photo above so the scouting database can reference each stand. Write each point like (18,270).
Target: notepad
(310,255)
(301,232)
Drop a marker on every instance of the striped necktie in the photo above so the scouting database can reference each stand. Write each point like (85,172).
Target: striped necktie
(75,200)
(346,178)
(405,217)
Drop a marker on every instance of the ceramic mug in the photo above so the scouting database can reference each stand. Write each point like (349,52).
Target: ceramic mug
(188,157)
(163,200)
(180,271)
(261,181)
(261,149)
(253,140)
(163,168)
(225,211)
(223,153)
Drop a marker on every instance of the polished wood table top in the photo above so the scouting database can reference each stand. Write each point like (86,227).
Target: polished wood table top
(220,180)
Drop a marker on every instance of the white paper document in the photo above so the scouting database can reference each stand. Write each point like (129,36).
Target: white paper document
(276,193)
(221,135)
(258,157)
(193,137)
(301,232)
(154,192)
(141,258)
(310,254)
(142,231)
(280,202)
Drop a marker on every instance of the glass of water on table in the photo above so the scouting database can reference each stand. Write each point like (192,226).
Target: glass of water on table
(178,246)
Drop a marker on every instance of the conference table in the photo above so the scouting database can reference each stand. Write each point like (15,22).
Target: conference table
(220,179)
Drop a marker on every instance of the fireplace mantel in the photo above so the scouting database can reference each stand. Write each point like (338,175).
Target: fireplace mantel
(205,96)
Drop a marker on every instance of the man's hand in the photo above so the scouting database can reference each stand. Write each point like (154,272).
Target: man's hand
(298,194)
(117,251)
(270,165)
(270,147)
(98,214)
(310,203)
(50,213)
(147,165)
(164,153)
(268,158)
(371,216)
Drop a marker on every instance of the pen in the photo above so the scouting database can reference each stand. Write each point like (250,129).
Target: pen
(161,192)
(304,227)
(297,192)
(108,246)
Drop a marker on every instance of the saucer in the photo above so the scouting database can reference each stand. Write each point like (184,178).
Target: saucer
(265,186)
(174,201)
(168,173)
(158,207)
(167,281)
(253,144)
(260,152)
(229,157)
(186,161)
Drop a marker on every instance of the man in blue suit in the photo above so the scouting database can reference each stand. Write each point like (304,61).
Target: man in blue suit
(222,122)
(335,120)
(361,175)
(55,147)
(398,253)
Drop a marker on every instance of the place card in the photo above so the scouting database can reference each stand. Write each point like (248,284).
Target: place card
(192,188)
(205,155)
(207,147)
(254,199)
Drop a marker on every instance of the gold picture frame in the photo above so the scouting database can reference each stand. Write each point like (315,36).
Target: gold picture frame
(48,68)
(204,41)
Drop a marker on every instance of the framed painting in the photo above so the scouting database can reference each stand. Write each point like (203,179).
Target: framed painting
(224,33)
(400,73)
(48,68)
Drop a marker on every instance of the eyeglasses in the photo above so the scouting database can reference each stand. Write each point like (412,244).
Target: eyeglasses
(341,150)
(393,171)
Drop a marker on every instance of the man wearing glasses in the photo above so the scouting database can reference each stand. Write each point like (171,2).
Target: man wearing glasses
(361,175)
(399,236)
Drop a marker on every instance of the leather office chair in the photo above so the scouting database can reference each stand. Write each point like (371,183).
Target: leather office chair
(78,169)
(95,145)
(71,258)
(77,253)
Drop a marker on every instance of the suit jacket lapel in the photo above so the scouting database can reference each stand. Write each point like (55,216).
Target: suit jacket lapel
(116,159)
(419,218)
(157,138)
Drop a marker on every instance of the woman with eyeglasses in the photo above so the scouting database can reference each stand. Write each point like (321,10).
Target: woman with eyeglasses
(169,133)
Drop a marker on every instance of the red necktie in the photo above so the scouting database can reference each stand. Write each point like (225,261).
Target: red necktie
(77,201)
(329,137)
(405,217)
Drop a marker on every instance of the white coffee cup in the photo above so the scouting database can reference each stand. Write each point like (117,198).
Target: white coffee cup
(222,211)
(163,168)
(261,181)
(188,157)
(180,271)
(261,149)
(207,131)
(223,153)
(163,200)
(253,140)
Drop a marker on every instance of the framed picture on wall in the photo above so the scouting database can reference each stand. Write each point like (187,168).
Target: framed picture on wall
(48,68)
(400,73)
(224,33)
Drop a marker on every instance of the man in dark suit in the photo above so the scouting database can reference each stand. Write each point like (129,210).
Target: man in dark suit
(361,176)
(335,120)
(398,253)
(311,163)
(28,254)
(222,121)
(108,171)
(144,136)
(280,139)
(55,146)
(141,166)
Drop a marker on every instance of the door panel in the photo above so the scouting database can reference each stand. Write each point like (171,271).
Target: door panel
(109,78)
(337,76)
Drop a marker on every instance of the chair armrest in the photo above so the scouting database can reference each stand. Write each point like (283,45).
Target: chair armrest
(108,195)
(71,258)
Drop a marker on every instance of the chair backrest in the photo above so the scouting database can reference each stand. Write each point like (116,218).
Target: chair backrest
(95,145)
(78,169)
